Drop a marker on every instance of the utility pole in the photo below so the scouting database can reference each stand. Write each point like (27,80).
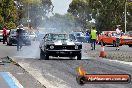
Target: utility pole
(125,14)
(28,15)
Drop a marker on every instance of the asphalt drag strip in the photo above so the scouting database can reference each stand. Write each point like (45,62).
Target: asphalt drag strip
(62,73)
(7,80)
(13,75)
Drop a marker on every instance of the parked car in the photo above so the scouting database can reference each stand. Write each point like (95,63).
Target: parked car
(32,36)
(78,36)
(59,45)
(109,38)
(11,39)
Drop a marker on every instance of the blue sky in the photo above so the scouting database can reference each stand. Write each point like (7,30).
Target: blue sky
(61,6)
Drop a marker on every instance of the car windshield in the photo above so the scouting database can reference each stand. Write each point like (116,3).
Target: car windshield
(57,37)
(13,31)
(80,34)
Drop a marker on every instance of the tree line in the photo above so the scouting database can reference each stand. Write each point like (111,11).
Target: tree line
(15,12)
(107,13)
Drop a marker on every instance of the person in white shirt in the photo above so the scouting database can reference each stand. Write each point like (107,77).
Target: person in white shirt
(118,35)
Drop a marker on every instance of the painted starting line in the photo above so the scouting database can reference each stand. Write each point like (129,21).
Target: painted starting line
(7,80)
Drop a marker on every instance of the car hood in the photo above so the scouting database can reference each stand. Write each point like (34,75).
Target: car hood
(62,42)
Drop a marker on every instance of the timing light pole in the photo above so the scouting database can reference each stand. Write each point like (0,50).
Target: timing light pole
(125,14)
(28,15)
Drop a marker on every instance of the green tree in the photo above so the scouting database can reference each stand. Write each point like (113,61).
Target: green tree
(8,10)
(10,25)
(1,22)
(81,10)
(107,13)
(36,10)
(8,13)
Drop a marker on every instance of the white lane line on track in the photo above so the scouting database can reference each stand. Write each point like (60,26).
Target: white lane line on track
(122,62)
(15,80)
(39,76)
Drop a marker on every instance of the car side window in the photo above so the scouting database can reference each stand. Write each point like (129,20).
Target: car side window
(47,37)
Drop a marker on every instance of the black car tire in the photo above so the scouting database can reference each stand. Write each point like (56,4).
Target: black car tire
(102,43)
(81,80)
(130,45)
(79,56)
(44,55)
(9,44)
(114,43)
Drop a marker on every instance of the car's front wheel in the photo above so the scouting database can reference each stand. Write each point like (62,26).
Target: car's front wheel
(41,54)
(44,55)
(79,56)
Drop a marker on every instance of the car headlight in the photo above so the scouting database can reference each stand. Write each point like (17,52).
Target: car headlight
(51,47)
(76,46)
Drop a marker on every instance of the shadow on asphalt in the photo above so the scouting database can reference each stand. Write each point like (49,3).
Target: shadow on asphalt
(56,59)
(109,46)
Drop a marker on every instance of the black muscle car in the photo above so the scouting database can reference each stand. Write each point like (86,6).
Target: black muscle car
(59,45)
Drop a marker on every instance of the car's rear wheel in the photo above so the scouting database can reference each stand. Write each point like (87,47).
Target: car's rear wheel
(114,43)
(79,56)
(102,43)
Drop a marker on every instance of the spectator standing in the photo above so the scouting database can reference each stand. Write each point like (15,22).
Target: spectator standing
(93,37)
(87,37)
(4,34)
(19,35)
(118,35)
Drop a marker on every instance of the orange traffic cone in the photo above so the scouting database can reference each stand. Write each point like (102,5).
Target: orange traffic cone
(103,54)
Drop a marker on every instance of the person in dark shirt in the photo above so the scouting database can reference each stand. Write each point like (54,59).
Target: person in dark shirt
(87,37)
(19,36)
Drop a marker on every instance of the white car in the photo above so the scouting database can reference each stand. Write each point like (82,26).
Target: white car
(32,35)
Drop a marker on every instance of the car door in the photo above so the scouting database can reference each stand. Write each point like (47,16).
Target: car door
(107,39)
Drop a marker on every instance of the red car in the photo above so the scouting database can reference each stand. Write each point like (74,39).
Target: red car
(109,38)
